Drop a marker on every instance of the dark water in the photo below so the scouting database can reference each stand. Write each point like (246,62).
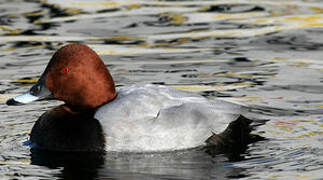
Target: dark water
(267,54)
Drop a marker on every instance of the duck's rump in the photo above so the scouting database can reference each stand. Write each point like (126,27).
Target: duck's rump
(158,118)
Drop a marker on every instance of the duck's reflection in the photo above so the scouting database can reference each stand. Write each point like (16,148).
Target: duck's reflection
(76,165)
(189,164)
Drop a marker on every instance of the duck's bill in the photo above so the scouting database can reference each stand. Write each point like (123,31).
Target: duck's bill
(37,92)
(22,99)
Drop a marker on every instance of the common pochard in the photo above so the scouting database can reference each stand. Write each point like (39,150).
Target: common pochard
(139,118)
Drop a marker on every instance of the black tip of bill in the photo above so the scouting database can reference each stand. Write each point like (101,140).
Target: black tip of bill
(12,102)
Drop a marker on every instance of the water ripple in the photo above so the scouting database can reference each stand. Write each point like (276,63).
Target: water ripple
(263,54)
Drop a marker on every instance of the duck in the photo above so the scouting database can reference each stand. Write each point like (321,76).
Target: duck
(98,116)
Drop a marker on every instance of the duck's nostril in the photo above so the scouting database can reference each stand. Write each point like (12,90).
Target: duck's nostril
(35,90)
(12,102)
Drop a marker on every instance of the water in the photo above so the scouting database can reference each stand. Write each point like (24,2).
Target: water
(266,54)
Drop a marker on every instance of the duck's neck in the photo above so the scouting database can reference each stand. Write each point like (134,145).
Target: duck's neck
(73,110)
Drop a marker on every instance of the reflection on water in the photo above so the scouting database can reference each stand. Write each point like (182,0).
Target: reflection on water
(266,54)
(191,164)
(74,165)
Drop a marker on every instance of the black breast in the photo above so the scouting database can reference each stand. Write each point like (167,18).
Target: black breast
(57,131)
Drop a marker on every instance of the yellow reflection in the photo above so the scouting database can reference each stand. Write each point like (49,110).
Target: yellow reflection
(302,176)
(103,3)
(134,6)
(223,16)
(124,38)
(317,9)
(310,134)
(199,88)
(72,11)
(34,80)
(37,13)
(290,22)
(176,18)
(11,31)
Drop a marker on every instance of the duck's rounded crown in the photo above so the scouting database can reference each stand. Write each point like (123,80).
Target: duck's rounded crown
(78,76)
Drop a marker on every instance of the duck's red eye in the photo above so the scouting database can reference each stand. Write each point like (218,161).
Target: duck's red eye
(65,70)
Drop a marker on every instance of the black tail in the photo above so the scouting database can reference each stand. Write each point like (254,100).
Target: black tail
(234,139)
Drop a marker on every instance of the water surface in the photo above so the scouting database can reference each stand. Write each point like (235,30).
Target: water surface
(266,54)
